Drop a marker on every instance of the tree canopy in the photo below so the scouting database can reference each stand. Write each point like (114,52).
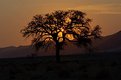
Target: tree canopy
(59,27)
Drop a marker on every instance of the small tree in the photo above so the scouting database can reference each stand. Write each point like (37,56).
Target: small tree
(60,27)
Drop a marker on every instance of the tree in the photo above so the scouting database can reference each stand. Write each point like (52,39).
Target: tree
(60,27)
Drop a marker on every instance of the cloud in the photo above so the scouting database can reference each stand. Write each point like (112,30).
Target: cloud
(113,8)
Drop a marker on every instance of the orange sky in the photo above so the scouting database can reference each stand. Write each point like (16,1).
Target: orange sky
(15,14)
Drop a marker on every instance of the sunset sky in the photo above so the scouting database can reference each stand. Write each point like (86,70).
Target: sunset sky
(15,14)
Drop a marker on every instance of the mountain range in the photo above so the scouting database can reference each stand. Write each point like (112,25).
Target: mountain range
(111,43)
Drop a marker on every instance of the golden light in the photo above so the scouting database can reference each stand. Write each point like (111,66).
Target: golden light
(67,20)
(60,34)
(60,39)
(70,37)
(62,29)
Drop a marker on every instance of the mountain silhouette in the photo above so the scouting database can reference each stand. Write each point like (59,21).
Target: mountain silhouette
(111,43)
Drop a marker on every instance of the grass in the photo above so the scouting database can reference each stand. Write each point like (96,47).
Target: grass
(74,67)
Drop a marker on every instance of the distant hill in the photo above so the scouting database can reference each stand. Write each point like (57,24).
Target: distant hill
(9,52)
(111,43)
(27,51)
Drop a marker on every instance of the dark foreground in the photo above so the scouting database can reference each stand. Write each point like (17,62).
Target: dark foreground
(76,67)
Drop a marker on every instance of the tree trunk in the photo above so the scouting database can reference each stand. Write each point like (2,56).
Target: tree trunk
(57,53)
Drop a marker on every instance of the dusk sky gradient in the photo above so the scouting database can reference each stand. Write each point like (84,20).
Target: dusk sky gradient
(15,14)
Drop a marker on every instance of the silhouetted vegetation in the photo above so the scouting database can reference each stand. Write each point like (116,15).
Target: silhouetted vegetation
(58,28)
(94,67)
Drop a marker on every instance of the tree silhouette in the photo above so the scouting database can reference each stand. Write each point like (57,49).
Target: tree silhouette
(60,27)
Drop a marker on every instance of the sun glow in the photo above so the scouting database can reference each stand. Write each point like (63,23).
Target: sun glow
(62,30)
(60,35)
(70,37)
(67,20)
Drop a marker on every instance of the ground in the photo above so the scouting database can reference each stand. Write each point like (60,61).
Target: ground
(74,67)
